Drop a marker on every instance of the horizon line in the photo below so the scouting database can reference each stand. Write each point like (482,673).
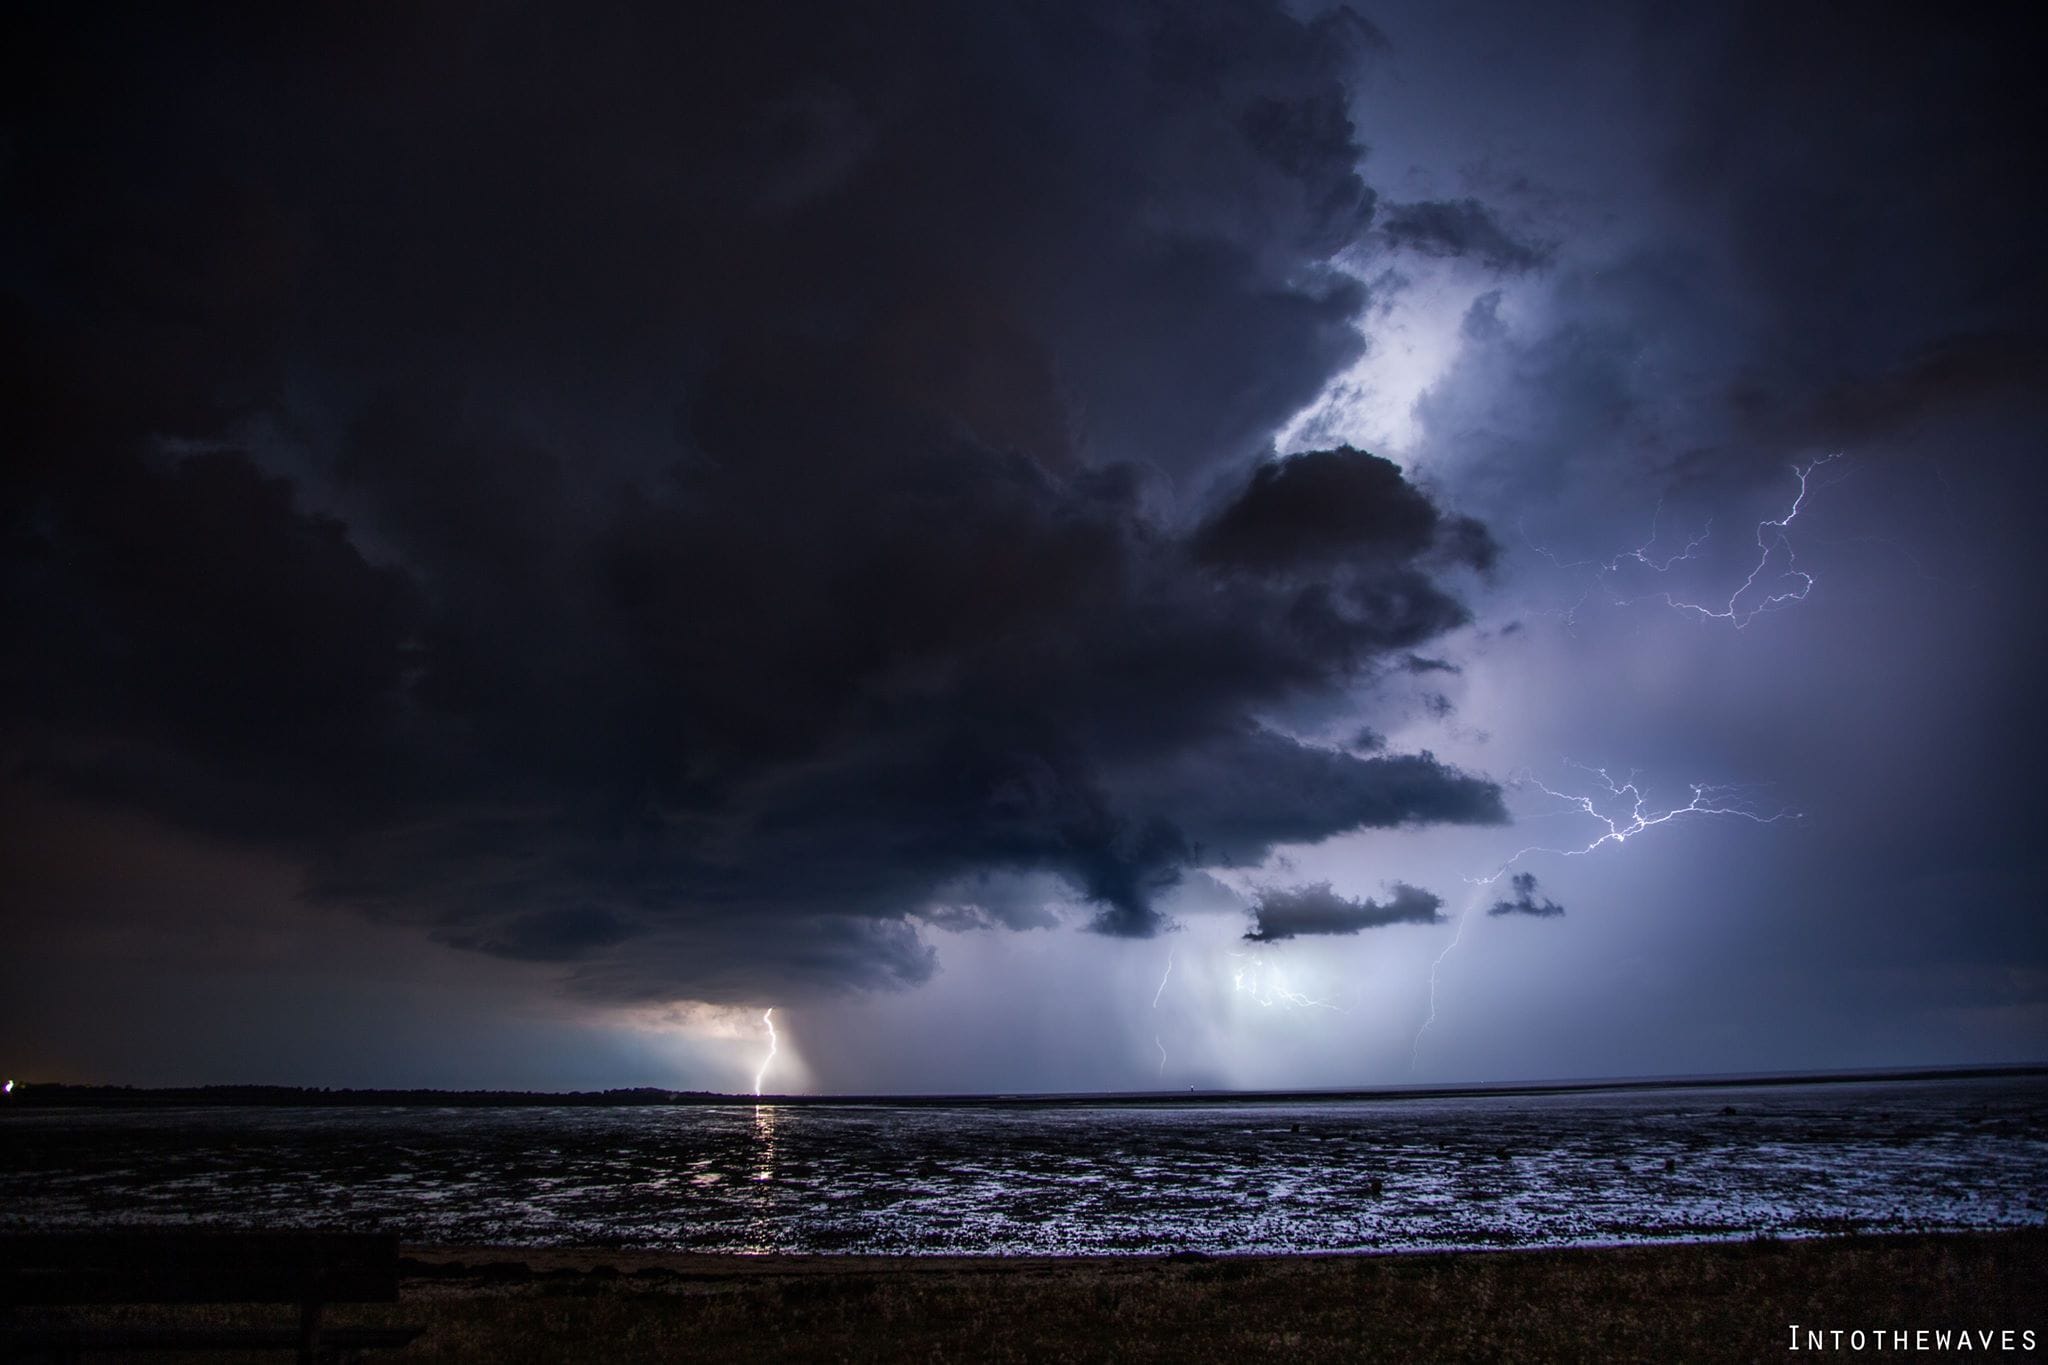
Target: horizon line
(25,1093)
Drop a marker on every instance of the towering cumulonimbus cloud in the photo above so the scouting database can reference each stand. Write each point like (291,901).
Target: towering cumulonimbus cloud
(1289,912)
(671,492)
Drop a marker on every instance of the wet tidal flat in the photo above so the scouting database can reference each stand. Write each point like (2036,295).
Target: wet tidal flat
(1219,1178)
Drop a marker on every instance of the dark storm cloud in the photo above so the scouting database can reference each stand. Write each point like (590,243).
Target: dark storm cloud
(672,492)
(1524,901)
(549,935)
(1899,226)
(1949,377)
(1316,909)
(1840,289)
(1463,228)
(1329,507)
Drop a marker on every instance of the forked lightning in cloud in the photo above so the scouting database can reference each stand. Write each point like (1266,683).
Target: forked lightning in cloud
(1774,545)
(1774,582)
(1634,814)
(1622,810)
(1264,982)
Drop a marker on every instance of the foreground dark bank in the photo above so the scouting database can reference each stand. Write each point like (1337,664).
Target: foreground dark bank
(1736,1301)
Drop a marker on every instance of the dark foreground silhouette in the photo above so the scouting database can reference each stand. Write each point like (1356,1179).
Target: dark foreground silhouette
(1728,1301)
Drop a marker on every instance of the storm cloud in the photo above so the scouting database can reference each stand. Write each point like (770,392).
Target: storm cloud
(699,508)
(674,494)
(1524,901)
(1316,909)
(1462,228)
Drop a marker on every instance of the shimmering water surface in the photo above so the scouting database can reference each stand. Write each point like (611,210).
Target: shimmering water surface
(1213,1176)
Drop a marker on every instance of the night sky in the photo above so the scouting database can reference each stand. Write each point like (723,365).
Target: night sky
(1056,545)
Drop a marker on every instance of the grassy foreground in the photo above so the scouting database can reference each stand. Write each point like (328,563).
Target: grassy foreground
(1711,1302)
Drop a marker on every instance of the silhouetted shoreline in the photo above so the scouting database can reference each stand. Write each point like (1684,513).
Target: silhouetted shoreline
(63,1095)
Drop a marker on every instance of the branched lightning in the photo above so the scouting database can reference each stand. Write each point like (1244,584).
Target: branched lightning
(1775,581)
(1620,807)
(1771,539)
(1632,817)
(1637,817)
(768,1018)
(1640,555)
(1255,976)
(1267,984)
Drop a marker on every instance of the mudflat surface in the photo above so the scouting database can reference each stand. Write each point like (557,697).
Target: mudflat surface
(1069,1178)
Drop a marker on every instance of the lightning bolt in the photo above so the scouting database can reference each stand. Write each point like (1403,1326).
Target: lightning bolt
(1762,589)
(1775,581)
(1641,554)
(1267,984)
(1415,1047)
(768,1018)
(1605,568)
(1771,539)
(1619,829)
(1633,818)
(1155,1005)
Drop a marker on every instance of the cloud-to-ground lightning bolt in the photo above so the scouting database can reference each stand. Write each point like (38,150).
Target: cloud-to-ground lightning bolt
(1163,978)
(1760,590)
(1415,1047)
(1637,817)
(768,1018)
(1155,1005)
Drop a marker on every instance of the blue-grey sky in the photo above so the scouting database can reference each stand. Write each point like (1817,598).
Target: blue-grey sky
(1055,546)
